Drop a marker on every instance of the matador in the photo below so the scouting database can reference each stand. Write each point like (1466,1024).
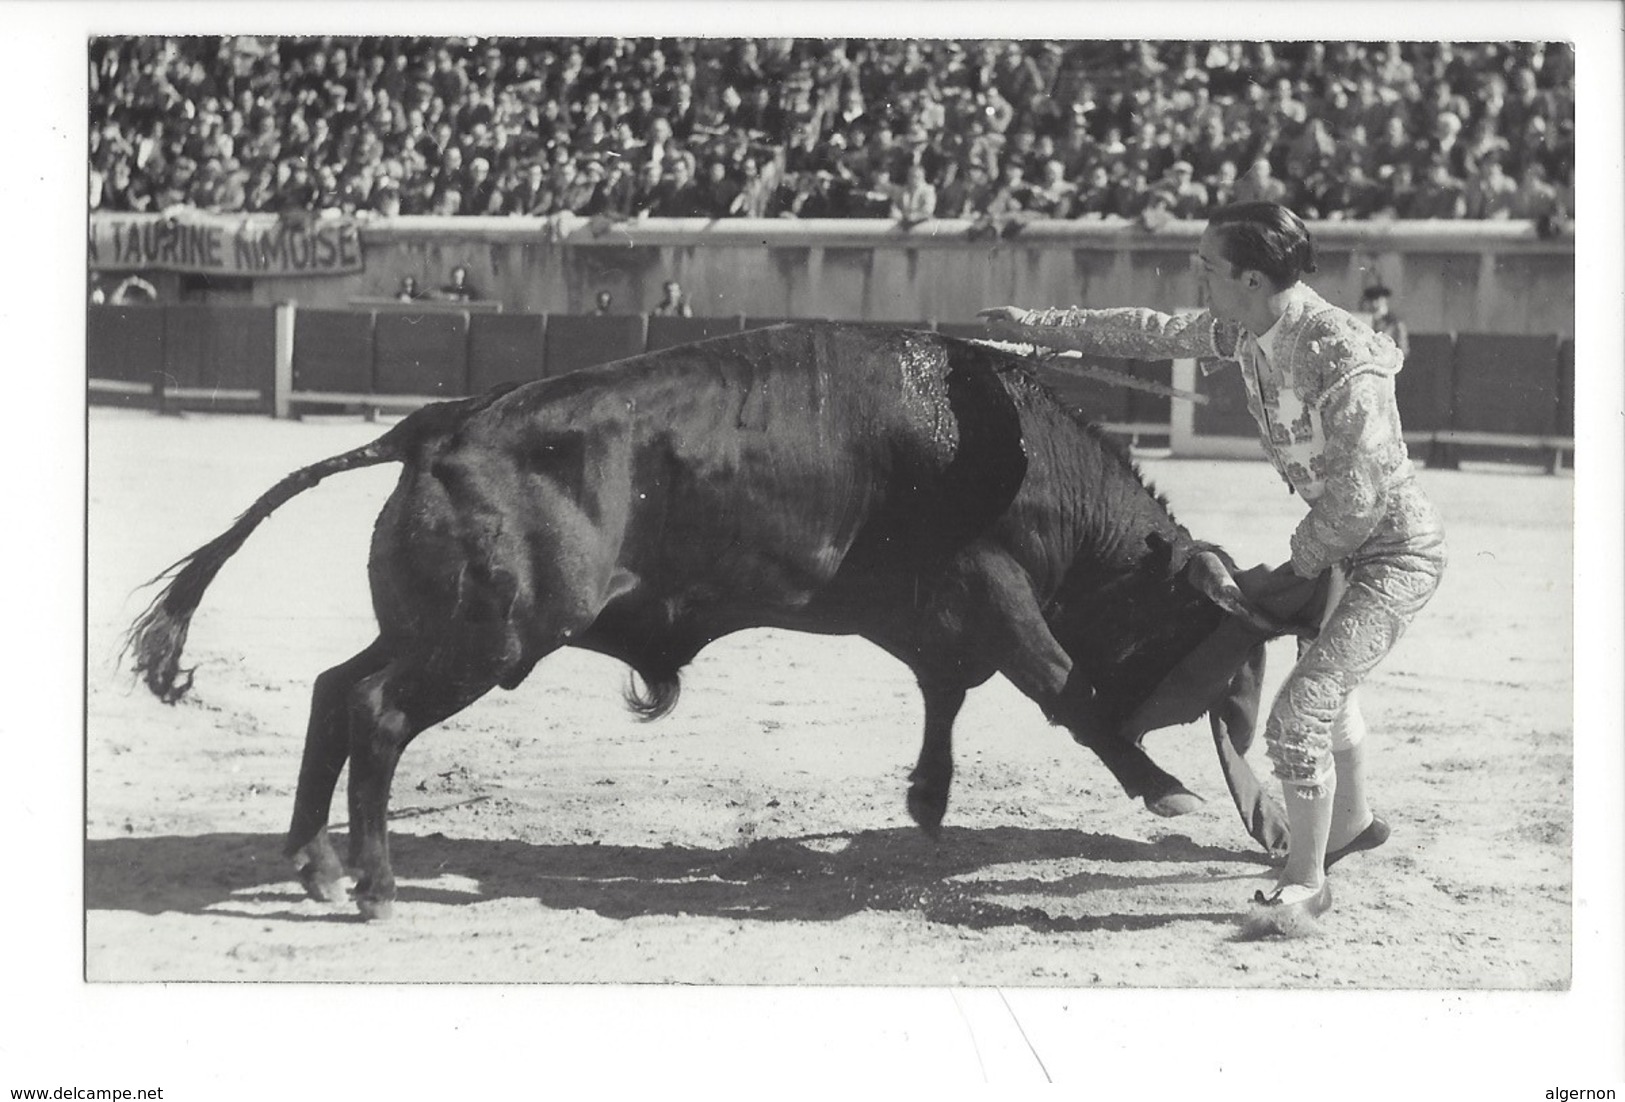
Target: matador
(1320,385)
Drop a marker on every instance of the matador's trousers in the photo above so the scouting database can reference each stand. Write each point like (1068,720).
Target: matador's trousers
(1384,585)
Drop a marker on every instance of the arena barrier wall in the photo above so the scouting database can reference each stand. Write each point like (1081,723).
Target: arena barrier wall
(667,332)
(505,348)
(1565,387)
(124,348)
(1472,394)
(1478,277)
(219,355)
(421,354)
(575,342)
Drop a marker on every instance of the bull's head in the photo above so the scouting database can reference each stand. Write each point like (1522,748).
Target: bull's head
(1224,674)
(1209,571)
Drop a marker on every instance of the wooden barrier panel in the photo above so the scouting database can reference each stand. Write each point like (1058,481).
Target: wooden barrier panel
(969,330)
(1143,408)
(124,354)
(575,341)
(923,324)
(748,323)
(1226,411)
(1506,383)
(125,343)
(333,351)
(1565,386)
(424,354)
(505,348)
(1425,386)
(218,353)
(1096,400)
(667,332)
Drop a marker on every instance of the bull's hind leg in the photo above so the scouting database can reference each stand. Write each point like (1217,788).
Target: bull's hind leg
(387,711)
(327,745)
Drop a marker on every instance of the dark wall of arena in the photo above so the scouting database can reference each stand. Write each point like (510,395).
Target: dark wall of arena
(177,355)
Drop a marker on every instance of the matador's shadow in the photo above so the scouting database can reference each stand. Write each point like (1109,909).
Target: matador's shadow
(808,878)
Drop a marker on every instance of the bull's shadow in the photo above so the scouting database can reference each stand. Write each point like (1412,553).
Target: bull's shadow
(808,878)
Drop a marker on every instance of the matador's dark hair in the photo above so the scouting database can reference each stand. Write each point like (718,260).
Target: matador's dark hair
(1265,237)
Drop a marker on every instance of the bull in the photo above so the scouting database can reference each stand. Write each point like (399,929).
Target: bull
(925,493)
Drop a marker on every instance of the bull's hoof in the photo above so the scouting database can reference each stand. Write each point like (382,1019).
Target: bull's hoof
(927,809)
(1172,804)
(323,888)
(375,910)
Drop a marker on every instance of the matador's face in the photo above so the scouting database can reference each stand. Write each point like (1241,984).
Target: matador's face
(1228,293)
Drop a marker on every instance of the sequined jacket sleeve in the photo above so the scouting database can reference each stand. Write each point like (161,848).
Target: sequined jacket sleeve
(1364,455)
(1129,333)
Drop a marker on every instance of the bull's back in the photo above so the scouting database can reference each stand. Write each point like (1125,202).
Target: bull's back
(754,464)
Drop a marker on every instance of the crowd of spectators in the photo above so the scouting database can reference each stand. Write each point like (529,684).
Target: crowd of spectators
(997,132)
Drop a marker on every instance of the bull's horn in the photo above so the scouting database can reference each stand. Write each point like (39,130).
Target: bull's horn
(1207,572)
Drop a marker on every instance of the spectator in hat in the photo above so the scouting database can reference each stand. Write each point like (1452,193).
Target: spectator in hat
(1375,312)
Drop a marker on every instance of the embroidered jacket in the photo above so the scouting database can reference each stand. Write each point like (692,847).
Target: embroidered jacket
(1322,395)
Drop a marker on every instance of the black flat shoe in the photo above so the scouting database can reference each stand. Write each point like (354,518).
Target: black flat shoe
(1369,838)
(1270,917)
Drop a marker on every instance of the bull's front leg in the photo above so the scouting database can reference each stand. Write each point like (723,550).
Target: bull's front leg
(934,773)
(1162,792)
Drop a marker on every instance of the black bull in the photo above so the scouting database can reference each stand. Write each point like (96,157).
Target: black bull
(925,493)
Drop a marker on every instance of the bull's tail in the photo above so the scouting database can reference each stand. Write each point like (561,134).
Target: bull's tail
(156,638)
(658,694)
